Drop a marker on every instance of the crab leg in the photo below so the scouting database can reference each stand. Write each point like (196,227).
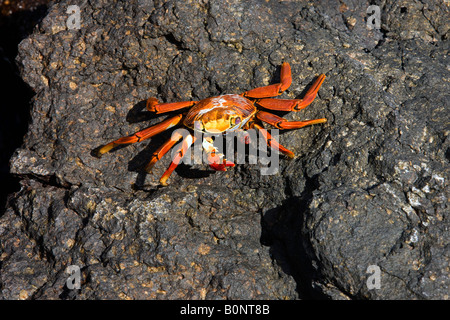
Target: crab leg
(273,89)
(272,142)
(162,150)
(154,106)
(141,135)
(282,123)
(186,144)
(295,104)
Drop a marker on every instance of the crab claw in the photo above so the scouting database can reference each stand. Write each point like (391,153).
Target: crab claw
(218,162)
(222,166)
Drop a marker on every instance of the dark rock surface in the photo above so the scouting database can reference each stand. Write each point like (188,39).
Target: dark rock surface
(17,20)
(368,188)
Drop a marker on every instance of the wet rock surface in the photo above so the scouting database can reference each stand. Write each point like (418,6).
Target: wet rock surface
(369,188)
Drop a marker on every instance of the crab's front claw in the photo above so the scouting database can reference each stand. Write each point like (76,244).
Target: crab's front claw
(218,162)
(222,166)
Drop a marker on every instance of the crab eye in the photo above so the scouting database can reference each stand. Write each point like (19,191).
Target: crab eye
(237,120)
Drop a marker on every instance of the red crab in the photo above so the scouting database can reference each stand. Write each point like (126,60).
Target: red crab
(222,114)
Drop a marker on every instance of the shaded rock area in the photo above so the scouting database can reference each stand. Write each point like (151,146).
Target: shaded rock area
(17,19)
(367,191)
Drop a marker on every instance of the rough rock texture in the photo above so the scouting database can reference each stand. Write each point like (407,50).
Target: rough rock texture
(370,187)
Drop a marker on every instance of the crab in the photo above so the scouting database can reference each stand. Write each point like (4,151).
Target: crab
(220,115)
